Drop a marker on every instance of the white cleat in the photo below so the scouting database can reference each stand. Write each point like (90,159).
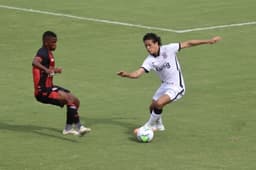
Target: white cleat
(159,127)
(148,126)
(83,130)
(70,132)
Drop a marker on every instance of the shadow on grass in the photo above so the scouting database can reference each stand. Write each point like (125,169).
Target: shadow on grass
(34,129)
(122,122)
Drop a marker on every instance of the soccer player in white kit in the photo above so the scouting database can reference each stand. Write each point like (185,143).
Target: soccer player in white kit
(163,60)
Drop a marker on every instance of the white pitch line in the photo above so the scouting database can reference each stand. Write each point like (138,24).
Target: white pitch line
(217,27)
(87,18)
(125,23)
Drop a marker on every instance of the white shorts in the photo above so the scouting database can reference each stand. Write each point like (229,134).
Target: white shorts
(173,91)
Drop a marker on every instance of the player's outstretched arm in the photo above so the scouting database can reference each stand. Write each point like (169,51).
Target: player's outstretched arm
(132,75)
(191,43)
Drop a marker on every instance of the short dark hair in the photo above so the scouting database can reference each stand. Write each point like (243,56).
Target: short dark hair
(48,34)
(152,36)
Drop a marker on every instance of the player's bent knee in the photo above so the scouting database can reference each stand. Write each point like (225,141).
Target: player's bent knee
(159,105)
(76,100)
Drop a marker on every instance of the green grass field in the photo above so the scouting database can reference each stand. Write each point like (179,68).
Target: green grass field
(211,128)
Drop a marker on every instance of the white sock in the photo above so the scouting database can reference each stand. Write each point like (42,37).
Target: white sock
(160,120)
(153,118)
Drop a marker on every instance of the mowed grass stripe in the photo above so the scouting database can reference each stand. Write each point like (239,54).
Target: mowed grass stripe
(128,24)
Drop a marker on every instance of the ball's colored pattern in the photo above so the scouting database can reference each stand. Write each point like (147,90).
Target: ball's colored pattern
(144,134)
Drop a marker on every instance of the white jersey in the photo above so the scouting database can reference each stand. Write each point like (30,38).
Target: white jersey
(166,65)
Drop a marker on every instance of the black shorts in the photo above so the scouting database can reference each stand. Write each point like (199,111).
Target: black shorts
(51,96)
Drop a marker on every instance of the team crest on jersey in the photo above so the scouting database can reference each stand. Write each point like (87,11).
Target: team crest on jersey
(164,55)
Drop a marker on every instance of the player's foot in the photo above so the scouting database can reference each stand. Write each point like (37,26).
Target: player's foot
(148,126)
(70,132)
(159,127)
(135,131)
(83,130)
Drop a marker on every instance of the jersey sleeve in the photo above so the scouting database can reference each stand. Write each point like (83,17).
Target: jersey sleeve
(42,53)
(147,64)
(174,47)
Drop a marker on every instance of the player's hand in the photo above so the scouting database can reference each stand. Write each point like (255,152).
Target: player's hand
(50,72)
(215,39)
(58,70)
(122,73)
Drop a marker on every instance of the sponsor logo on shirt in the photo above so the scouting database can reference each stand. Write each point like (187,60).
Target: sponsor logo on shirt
(160,68)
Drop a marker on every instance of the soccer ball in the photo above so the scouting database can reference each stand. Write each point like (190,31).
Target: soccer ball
(144,134)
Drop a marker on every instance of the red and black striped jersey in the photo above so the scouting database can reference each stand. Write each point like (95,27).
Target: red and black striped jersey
(42,81)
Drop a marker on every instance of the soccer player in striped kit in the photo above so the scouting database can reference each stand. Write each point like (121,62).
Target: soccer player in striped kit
(46,92)
(163,60)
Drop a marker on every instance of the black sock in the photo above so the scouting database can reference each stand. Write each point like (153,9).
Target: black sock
(76,118)
(158,111)
(70,114)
